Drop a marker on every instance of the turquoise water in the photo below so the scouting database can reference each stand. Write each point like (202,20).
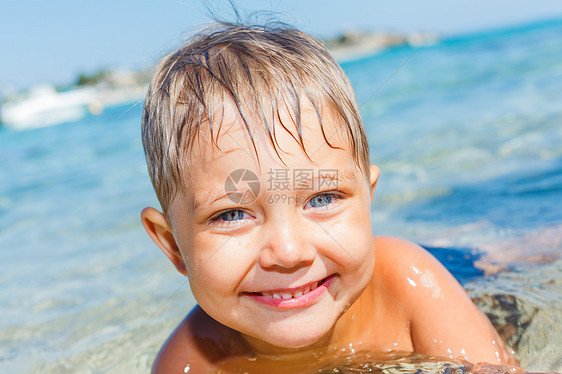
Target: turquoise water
(468,136)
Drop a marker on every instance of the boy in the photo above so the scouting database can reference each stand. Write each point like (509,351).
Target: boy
(260,161)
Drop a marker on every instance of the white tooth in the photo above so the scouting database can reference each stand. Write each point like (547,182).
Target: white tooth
(286,296)
(314,285)
(306,290)
(276,296)
(298,294)
(266,294)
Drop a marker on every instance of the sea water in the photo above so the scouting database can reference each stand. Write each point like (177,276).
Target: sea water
(467,133)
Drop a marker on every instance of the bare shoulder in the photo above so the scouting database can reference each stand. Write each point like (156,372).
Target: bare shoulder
(418,280)
(399,251)
(198,341)
(415,277)
(444,321)
(399,263)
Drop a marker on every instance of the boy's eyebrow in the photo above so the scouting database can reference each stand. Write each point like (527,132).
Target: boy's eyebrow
(211,198)
(335,175)
(330,176)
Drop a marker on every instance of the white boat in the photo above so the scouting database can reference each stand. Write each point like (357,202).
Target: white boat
(44,107)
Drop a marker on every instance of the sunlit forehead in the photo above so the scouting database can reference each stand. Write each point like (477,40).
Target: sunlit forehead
(279,130)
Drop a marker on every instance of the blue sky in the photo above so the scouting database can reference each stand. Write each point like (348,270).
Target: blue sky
(53,41)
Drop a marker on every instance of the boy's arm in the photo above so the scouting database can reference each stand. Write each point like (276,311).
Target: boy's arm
(178,352)
(444,321)
(171,357)
(197,342)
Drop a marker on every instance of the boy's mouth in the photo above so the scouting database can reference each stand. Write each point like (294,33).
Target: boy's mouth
(290,293)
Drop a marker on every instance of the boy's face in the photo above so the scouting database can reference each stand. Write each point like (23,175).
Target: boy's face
(281,267)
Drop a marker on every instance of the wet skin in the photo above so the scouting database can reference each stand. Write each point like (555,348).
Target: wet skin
(286,281)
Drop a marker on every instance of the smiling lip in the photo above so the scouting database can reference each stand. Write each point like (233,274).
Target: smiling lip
(292,297)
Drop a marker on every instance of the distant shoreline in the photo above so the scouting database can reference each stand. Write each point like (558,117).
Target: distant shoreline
(352,45)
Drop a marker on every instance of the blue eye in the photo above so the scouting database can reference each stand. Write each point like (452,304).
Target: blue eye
(230,219)
(232,215)
(319,201)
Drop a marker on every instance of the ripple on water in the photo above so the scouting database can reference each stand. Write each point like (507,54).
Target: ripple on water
(524,305)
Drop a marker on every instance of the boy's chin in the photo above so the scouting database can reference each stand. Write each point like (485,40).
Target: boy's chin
(299,337)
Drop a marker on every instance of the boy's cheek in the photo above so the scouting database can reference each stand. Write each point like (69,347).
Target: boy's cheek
(219,261)
(211,286)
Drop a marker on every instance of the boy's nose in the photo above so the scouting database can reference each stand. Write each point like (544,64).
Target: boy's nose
(286,246)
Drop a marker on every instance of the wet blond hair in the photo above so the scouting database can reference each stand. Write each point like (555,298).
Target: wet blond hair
(263,70)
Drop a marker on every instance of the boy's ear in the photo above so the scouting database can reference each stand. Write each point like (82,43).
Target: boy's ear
(157,228)
(374,177)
